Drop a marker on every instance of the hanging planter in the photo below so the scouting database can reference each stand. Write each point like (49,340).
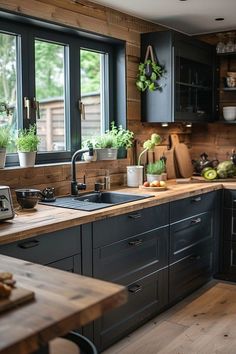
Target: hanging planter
(149,72)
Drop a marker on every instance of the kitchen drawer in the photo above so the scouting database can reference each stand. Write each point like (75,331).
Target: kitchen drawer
(229,198)
(187,233)
(47,248)
(121,227)
(70,264)
(146,297)
(190,272)
(184,208)
(142,254)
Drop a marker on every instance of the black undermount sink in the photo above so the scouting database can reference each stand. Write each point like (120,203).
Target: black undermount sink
(96,200)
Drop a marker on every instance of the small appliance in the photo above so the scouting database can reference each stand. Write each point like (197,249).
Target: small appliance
(6,206)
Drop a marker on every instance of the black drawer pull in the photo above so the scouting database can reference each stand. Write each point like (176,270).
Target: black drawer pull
(135,216)
(196,221)
(197,199)
(195,258)
(135,288)
(135,242)
(28,244)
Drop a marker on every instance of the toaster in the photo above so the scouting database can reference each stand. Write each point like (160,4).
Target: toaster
(6,206)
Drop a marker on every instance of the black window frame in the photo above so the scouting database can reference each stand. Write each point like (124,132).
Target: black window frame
(30,29)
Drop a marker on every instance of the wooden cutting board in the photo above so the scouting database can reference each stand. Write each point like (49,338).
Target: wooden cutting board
(18,296)
(183,159)
(171,168)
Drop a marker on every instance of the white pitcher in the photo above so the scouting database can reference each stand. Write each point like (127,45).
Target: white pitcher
(134,176)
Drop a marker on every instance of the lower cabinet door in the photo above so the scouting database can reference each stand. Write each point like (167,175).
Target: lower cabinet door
(229,260)
(69,264)
(190,272)
(146,297)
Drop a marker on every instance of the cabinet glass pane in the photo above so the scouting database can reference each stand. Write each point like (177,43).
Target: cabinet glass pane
(8,85)
(50,92)
(92,93)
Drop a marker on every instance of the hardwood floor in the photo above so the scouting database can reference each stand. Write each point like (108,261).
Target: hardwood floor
(203,323)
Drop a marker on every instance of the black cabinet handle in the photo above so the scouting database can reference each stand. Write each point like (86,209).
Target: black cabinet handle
(197,199)
(135,288)
(196,221)
(195,258)
(28,244)
(136,242)
(135,216)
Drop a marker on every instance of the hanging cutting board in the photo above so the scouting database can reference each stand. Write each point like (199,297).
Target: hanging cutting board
(18,296)
(171,167)
(183,159)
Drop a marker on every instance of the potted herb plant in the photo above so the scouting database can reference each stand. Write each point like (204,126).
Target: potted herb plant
(124,139)
(135,173)
(106,147)
(156,171)
(27,144)
(5,138)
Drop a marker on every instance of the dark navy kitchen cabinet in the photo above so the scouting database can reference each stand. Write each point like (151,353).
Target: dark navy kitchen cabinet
(187,86)
(229,236)
(132,250)
(59,249)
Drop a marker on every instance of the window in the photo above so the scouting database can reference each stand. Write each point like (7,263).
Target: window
(62,82)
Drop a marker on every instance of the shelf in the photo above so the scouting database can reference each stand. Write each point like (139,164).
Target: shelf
(226,54)
(193,85)
(229,89)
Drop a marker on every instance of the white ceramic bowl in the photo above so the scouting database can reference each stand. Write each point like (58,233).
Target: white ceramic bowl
(229,113)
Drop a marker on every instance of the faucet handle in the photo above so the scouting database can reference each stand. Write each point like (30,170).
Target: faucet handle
(98,186)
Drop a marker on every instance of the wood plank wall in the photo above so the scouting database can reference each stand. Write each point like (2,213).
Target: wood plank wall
(93,17)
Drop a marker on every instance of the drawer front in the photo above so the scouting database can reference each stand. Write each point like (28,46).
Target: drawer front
(229,224)
(187,233)
(230,198)
(121,227)
(46,248)
(146,297)
(141,254)
(191,272)
(184,208)
(69,264)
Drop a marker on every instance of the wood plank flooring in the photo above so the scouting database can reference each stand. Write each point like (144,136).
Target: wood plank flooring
(203,323)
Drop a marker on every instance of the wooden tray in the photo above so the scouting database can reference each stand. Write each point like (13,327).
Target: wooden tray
(154,189)
(18,296)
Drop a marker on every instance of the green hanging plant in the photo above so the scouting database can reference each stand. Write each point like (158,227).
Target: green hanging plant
(149,73)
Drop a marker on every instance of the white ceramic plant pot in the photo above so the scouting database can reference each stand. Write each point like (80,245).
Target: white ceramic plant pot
(151,178)
(2,157)
(134,176)
(27,159)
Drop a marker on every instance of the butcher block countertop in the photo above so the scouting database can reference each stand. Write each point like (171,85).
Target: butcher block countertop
(44,219)
(63,302)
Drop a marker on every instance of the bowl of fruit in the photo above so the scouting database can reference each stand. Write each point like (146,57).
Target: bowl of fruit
(154,185)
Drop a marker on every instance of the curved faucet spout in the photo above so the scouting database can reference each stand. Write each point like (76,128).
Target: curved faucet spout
(74,185)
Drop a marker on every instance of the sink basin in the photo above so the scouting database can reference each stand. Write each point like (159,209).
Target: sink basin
(96,200)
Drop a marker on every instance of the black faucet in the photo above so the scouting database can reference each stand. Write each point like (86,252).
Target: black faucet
(75,187)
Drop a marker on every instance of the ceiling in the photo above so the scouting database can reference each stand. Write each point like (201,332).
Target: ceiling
(187,16)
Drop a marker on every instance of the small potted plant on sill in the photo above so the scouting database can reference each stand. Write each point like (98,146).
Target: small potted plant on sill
(124,139)
(156,171)
(5,138)
(27,144)
(106,146)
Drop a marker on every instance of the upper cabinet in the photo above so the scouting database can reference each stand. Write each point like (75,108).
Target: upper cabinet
(187,92)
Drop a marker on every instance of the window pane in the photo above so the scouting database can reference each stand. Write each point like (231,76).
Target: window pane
(50,92)
(8,84)
(92,93)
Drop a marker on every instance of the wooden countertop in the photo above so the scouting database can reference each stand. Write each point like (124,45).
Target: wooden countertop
(63,302)
(45,219)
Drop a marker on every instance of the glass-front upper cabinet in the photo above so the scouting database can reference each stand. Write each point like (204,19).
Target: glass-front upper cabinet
(187,87)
